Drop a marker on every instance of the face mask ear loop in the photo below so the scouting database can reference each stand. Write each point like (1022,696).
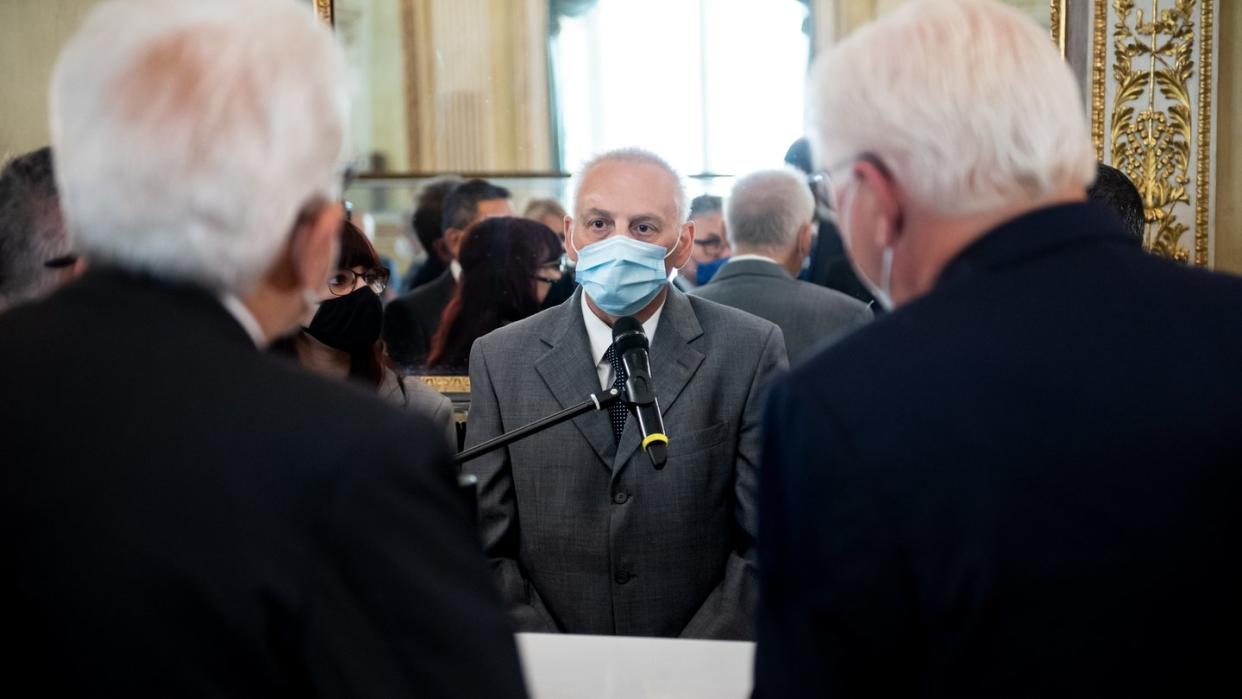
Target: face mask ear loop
(675,246)
(886,271)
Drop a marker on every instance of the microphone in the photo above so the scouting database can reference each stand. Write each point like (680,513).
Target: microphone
(630,344)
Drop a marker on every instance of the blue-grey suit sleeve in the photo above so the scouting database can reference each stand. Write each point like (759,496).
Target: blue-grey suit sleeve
(498,515)
(728,613)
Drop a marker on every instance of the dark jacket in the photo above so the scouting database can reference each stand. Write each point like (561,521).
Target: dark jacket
(1025,483)
(807,314)
(411,321)
(187,516)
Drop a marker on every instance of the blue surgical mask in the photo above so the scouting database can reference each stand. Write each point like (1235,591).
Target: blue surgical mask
(622,275)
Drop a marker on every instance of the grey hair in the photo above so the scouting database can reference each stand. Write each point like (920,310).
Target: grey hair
(766,209)
(639,155)
(32,230)
(705,204)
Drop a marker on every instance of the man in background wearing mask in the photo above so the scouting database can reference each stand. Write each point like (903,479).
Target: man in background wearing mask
(185,515)
(585,536)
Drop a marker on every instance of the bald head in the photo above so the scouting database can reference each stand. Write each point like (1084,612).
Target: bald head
(664,181)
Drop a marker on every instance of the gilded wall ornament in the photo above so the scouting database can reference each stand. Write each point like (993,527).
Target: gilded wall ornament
(1159,113)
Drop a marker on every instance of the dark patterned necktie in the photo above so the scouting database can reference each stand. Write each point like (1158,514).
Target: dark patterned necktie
(617,412)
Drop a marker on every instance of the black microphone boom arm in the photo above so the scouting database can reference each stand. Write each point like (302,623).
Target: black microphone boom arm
(597,401)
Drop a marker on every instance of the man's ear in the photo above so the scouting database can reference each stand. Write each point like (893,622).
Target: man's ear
(316,246)
(805,238)
(685,245)
(452,241)
(885,199)
(440,250)
(571,245)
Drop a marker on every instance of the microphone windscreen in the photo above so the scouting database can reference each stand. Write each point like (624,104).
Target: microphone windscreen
(627,334)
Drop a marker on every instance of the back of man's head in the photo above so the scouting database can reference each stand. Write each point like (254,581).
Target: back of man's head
(429,210)
(963,100)
(461,205)
(766,212)
(191,136)
(1116,191)
(32,231)
(705,204)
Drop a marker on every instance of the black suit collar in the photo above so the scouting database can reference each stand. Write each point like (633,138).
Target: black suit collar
(159,301)
(1036,234)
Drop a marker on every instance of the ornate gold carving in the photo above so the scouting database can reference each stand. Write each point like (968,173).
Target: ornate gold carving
(1203,148)
(324,9)
(1152,144)
(1099,51)
(1056,23)
(448,384)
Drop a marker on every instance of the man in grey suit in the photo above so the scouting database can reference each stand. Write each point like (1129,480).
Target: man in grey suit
(583,534)
(769,219)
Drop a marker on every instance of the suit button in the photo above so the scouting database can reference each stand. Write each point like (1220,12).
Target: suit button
(620,497)
(622,577)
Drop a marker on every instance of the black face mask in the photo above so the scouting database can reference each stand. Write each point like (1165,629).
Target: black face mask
(349,323)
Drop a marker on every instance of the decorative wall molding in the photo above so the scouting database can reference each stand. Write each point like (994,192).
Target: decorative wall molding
(1152,82)
(324,9)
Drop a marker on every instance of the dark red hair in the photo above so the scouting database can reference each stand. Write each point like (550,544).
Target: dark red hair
(500,258)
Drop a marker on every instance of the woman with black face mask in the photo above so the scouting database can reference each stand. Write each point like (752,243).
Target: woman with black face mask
(340,338)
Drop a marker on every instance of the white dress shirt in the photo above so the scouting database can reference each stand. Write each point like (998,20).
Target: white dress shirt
(455,270)
(601,339)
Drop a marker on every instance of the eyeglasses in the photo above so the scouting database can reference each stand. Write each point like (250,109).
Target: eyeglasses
(550,268)
(711,244)
(343,282)
(824,185)
(61,262)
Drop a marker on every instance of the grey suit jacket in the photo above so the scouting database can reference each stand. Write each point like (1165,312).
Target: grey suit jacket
(583,534)
(806,313)
(412,395)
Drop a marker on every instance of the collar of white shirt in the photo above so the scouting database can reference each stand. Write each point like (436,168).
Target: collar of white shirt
(600,336)
(455,269)
(244,318)
(743,258)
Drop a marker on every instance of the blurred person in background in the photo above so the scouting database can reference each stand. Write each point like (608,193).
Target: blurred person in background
(340,338)
(508,265)
(711,244)
(411,320)
(426,224)
(1117,192)
(35,253)
(829,265)
(184,513)
(550,213)
(770,217)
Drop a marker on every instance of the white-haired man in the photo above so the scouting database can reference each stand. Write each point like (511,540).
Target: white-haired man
(35,253)
(769,218)
(585,536)
(1007,486)
(184,514)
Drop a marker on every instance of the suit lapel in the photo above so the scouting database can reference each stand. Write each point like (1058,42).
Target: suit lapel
(673,362)
(569,372)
